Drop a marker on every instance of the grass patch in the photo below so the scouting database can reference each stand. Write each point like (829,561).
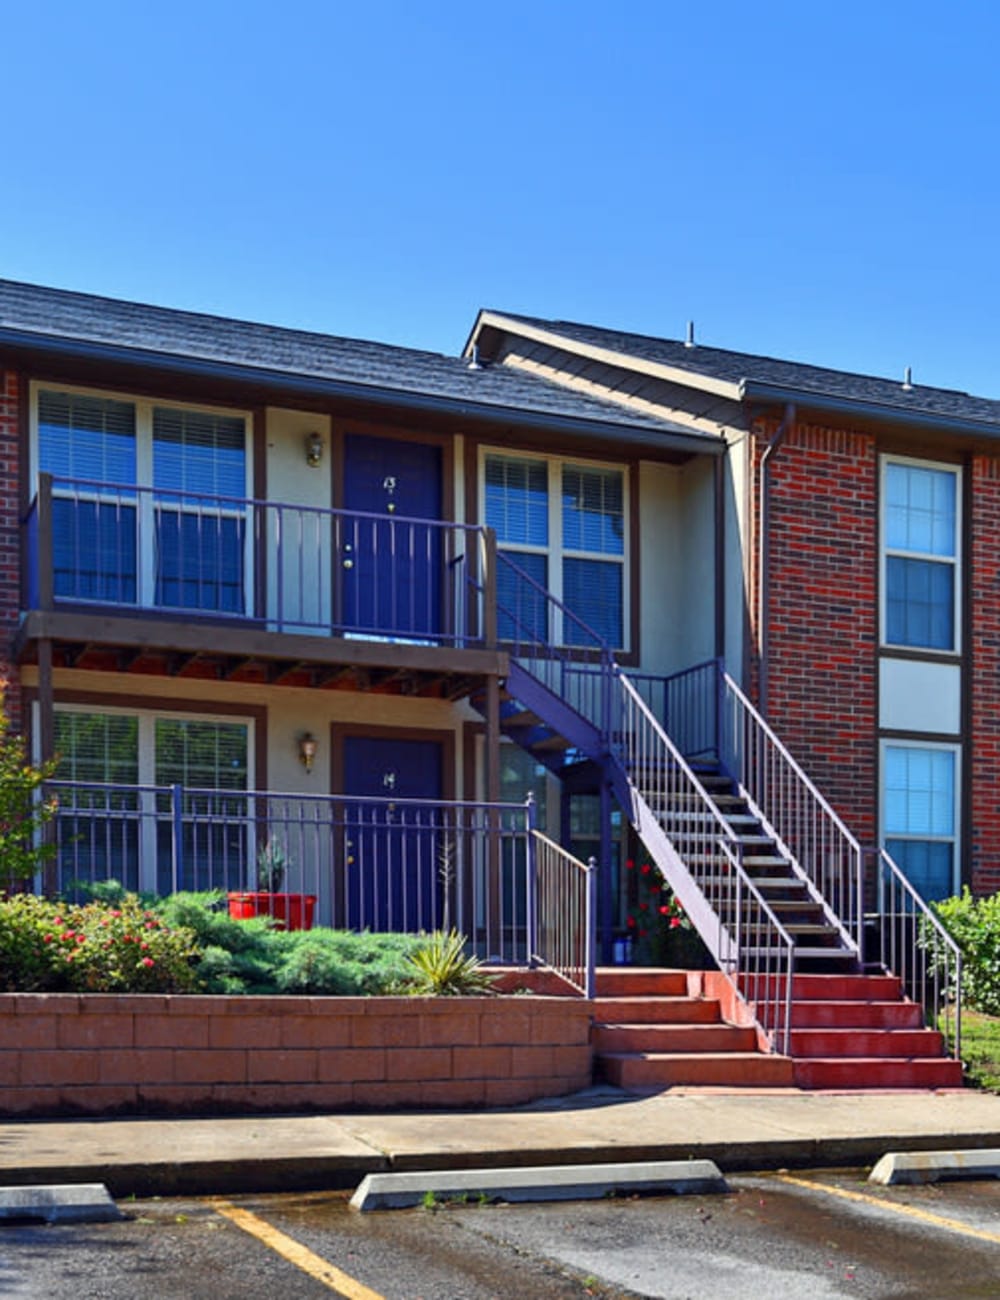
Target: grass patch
(981,1049)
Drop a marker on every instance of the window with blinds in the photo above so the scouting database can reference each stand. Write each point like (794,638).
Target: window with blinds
(563,525)
(181,543)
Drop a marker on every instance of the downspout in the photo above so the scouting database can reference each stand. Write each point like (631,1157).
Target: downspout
(763,561)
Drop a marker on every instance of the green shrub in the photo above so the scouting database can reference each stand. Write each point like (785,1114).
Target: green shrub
(23,810)
(92,948)
(339,962)
(251,956)
(974,924)
(443,968)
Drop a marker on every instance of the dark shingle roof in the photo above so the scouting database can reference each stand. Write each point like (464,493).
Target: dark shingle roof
(742,368)
(56,314)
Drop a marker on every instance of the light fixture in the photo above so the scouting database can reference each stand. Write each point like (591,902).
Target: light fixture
(314,450)
(307,751)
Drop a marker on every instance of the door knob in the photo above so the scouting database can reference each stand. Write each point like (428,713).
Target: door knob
(348,564)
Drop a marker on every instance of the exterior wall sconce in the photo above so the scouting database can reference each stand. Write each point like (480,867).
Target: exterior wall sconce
(307,751)
(314,450)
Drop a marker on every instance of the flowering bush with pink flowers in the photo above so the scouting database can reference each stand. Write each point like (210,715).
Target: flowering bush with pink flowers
(48,946)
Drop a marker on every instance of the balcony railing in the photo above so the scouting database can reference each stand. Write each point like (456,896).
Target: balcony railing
(404,865)
(284,567)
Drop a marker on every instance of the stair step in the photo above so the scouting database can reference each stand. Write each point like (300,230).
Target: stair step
(863,1073)
(521,718)
(659,1040)
(656,1010)
(846,987)
(854,1014)
(854,1042)
(655,1070)
(639,981)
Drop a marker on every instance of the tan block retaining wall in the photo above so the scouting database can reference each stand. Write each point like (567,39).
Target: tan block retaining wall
(97,1054)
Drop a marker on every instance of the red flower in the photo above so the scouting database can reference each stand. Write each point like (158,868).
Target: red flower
(645,868)
(148,961)
(642,934)
(81,938)
(643,907)
(629,864)
(674,922)
(631,922)
(665,909)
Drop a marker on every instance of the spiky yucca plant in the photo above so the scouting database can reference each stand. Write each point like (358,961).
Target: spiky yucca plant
(445,969)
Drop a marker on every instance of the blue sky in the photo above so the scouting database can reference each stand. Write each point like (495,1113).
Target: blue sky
(811,180)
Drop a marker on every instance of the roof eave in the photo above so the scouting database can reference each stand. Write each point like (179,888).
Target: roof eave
(318,385)
(753,391)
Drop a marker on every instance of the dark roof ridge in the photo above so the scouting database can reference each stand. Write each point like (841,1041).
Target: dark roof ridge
(553,324)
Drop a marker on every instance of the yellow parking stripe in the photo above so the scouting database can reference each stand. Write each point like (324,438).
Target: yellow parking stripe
(322,1270)
(939,1221)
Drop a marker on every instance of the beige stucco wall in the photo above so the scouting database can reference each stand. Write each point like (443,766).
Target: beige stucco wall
(291,711)
(677,564)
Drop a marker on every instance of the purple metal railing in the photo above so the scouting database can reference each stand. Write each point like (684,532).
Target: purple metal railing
(552,643)
(566,895)
(913,944)
(794,811)
(289,568)
(403,865)
(702,860)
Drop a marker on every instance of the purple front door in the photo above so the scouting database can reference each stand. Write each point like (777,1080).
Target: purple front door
(392,849)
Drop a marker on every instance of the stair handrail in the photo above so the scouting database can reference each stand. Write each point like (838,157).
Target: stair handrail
(766,988)
(710,880)
(559,664)
(566,890)
(807,825)
(915,945)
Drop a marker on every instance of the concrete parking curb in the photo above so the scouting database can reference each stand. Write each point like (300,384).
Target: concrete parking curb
(538,1183)
(58,1203)
(934,1166)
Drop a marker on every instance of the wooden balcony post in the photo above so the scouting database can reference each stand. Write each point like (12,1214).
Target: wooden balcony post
(489,588)
(43,556)
(494,893)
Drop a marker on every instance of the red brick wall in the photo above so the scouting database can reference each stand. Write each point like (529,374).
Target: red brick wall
(823,612)
(982,758)
(9,542)
(147,1054)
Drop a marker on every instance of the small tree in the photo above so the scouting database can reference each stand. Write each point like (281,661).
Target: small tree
(24,809)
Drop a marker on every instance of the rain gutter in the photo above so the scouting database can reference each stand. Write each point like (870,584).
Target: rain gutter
(764,561)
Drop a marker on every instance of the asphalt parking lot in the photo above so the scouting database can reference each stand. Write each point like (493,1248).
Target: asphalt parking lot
(816,1236)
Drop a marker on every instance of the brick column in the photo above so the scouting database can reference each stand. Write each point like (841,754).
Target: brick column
(982,756)
(823,613)
(10,397)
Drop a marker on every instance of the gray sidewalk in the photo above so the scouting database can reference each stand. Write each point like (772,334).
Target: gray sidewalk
(752,1130)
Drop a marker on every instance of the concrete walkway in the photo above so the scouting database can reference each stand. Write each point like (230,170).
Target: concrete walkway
(148,1157)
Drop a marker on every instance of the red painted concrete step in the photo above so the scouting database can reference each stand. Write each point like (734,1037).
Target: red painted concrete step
(654,1010)
(876,1072)
(648,1070)
(865,1042)
(849,1013)
(673,1039)
(640,981)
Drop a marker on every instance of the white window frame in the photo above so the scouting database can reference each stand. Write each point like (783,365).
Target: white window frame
(555,552)
(144,407)
(886,551)
(146,767)
(955,840)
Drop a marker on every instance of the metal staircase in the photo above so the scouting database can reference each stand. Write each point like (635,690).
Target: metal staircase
(767,872)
